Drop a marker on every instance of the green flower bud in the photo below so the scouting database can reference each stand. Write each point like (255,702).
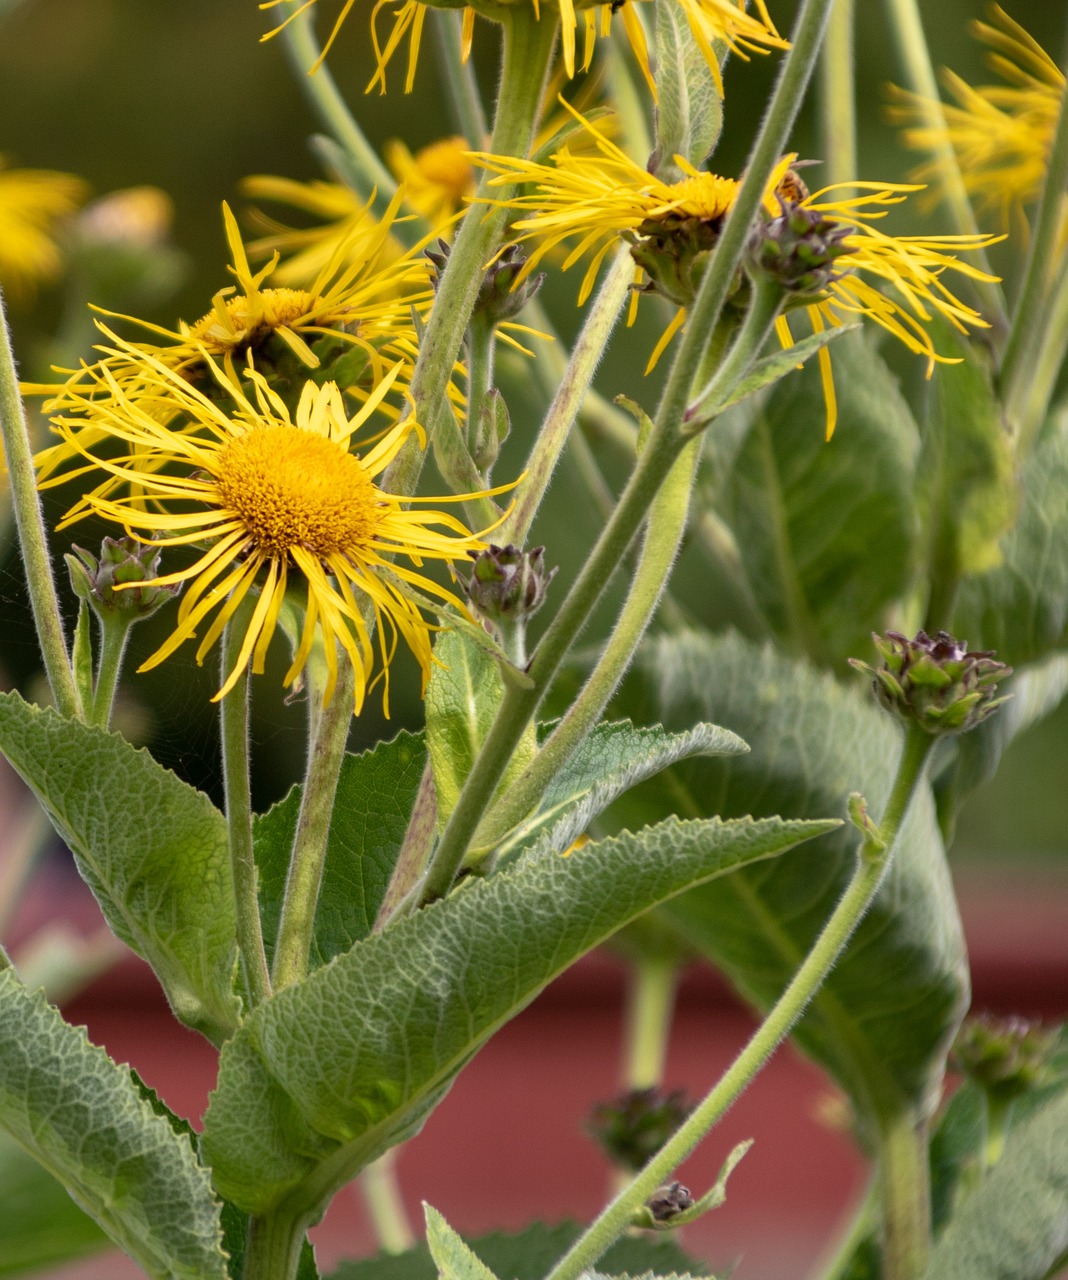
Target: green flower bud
(935,682)
(798,249)
(1006,1056)
(508,583)
(673,251)
(499,298)
(633,1127)
(122,560)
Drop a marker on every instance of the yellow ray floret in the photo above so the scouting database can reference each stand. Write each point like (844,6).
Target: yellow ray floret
(33,202)
(723,23)
(272,502)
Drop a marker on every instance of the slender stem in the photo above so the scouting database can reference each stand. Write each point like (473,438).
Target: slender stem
(765,305)
(1017,361)
(32,537)
(907,28)
(650,1004)
(838,107)
(113,639)
(528,46)
(325,756)
(570,393)
(22,848)
(381,1194)
(873,861)
(233,716)
(1029,402)
(905,1197)
(328,104)
(458,77)
(860,1227)
(667,524)
(481,344)
(998,1112)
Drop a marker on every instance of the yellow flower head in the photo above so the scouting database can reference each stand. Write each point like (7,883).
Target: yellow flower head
(436,179)
(594,199)
(722,22)
(270,499)
(32,203)
(1001,133)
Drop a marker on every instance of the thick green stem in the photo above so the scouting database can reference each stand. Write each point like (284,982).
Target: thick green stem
(233,715)
(325,756)
(1028,404)
(650,1004)
(328,104)
(32,537)
(274,1245)
(905,1198)
(459,80)
(764,307)
(570,393)
(838,107)
(381,1193)
(873,861)
(907,28)
(1017,363)
(481,345)
(113,639)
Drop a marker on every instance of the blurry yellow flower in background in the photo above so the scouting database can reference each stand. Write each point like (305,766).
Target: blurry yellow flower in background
(722,22)
(599,197)
(1001,133)
(436,178)
(271,499)
(33,202)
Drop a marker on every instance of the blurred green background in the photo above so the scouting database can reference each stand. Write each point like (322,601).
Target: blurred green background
(183,96)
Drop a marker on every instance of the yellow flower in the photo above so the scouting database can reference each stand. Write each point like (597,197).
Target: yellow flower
(599,197)
(32,203)
(436,179)
(723,22)
(270,499)
(1001,133)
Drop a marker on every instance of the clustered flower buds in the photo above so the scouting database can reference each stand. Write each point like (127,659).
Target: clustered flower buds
(633,1128)
(673,251)
(798,249)
(499,297)
(935,682)
(507,583)
(1007,1056)
(122,560)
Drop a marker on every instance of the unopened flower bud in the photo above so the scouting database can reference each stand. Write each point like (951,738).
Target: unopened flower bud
(673,251)
(633,1127)
(669,1201)
(935,682)
(499,298)
(508,583)
(798,249)
(1006,1057)
(122,560)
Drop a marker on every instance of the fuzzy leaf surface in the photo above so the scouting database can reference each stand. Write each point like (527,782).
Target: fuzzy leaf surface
(611,760)
(326,1075)
(1020,608)
(882,1021)
(375,793)
(152,849)
(825,528)
(455,1259)
(1014,1225)
(81,1115)
(689,113)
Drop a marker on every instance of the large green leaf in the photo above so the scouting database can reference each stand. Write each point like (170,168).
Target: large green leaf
(374,799)
(1014,1225)
(611,760)
(825,529)
(689,110)
(528,1255)
(152,849)
(82,1116)
(882,1021)
(326,1075)
(1020,608)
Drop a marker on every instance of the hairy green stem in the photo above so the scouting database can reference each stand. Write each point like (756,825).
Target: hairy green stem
(114,636)
(32,536)
(415,849)
(907,28)
(838,106)
(650,1004)
(764,307)
(328,104)
(233,717)
(1029,402)
(570,393)
(381,1194)
(481,347)
(325,755)
(275,1240)
(1017,362)
(905,1197)
(459,78)
(873,861)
